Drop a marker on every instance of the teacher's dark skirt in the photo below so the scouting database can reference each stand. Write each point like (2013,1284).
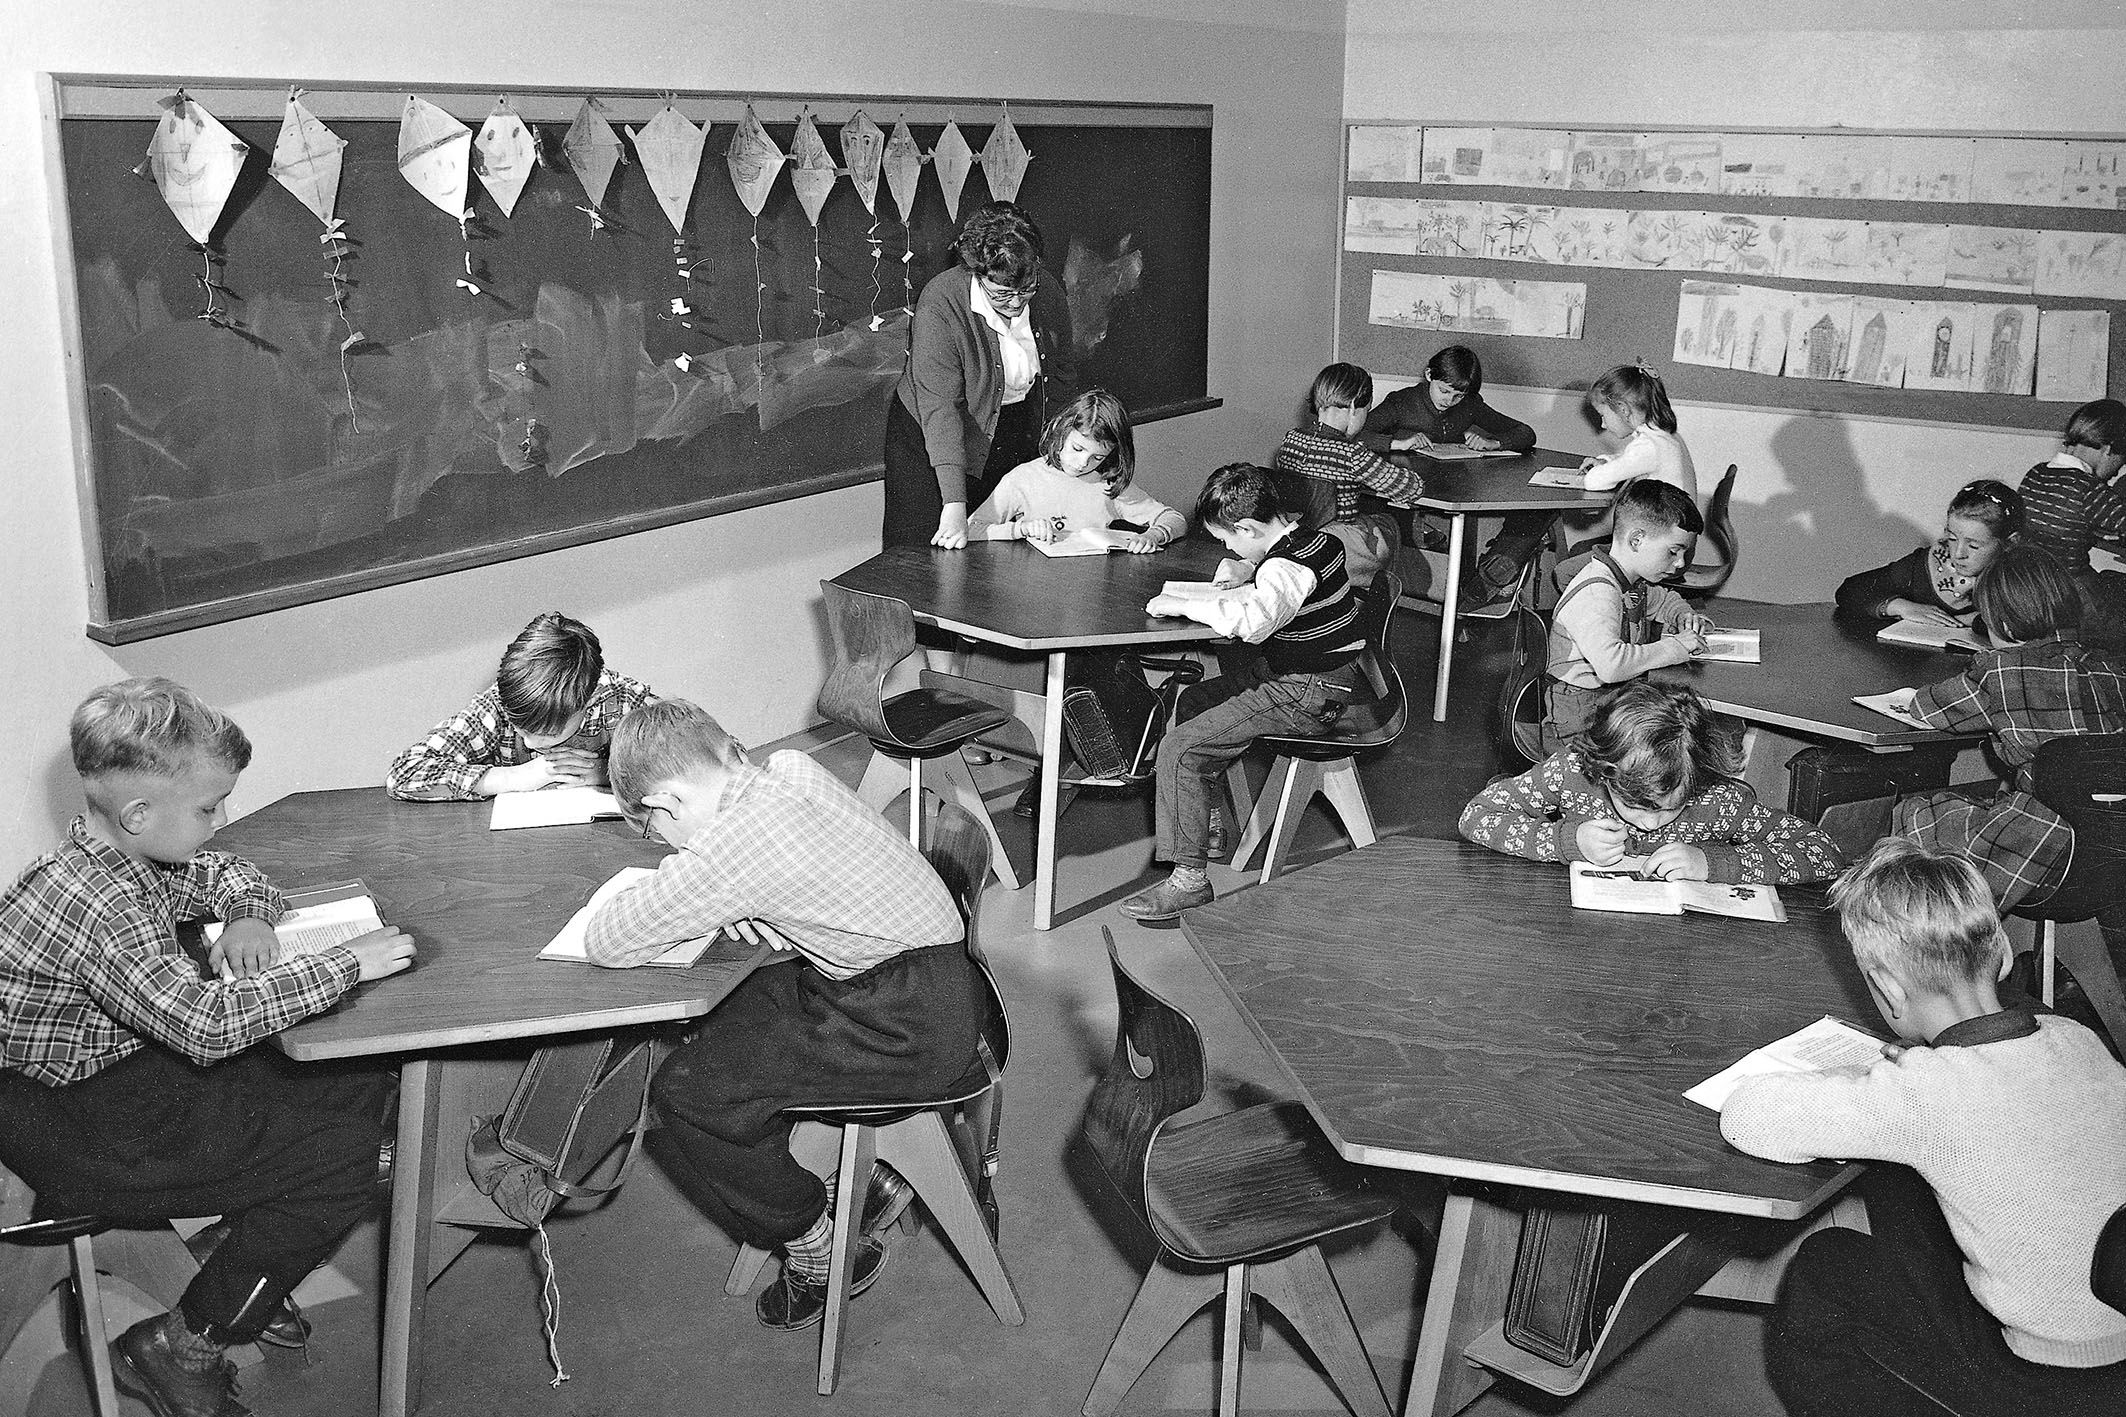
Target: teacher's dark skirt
(912,501)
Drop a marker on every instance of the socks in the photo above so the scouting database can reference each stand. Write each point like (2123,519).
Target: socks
(810,1253)
(1189,878)
(191,1350)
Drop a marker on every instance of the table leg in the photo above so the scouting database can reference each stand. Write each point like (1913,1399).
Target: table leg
(406,1261)
(1457,526)
(1044,857)
(1472,1268)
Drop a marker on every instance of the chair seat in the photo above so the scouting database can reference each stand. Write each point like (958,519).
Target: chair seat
(1253,1183)
(977,1080)
(926,722)
(1364,726)
(54,1230)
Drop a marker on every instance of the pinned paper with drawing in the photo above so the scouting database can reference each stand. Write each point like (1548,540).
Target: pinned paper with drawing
(1759,164)
(306,159)
(435,155)
(1741,243)
(1385,152)
(1528,157)
(753,160)
(1905,253)
(1928,170)
(2004,350)
(1680,162)
(1763,317)
(1664,240)
(863,150)
(1511,230)
(812,168)
(1589,236)
(2091,176)
(2084,263)
(1707,322)
(1838,166)
(503,154)
(903,166)
(1818,338)
(669,147)
(1939,356)
(1601,162)
(1826,249)
(1992,258)
(195,161)
(1456,154)
(592,149)
(1004,159)
(1884,334)
(1414,226)
(2073,354)
(953,160)
(2018,172)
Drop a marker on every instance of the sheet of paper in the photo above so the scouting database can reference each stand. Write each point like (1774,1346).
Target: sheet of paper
(1884,333)
(1763,317)
(1664,240)
(1004,159)
(753,160)
(1824,1044)
(1826,249)
(864,150)
(1991,258)
(903,166)
(1559,477)
(1759,164)
(1939,356)
(1549,309)
(1455,154)
(503,155)
(952,159)
(1413,226)
(1927,170)
(2090,176)
(1194,590)
(1087,541)
(1819,336)
(1528,157)
(1833,165)
(1511,230)
(1897,704)
(1621,888)
(318,919)
(551,807)
(569,944)
(195,162)
(1706,323)
(435,155)
(812,168)
(1741,243)
(1905,253)
(2018,172)
(2084,263)
(2073,354)
(1934,637)
(306,159)
(1736,900)
(2004,349)
(1601,162)
(592,148)
(1590,236)
(669,147)
(1733,647)
(1385,152)
(1680,162)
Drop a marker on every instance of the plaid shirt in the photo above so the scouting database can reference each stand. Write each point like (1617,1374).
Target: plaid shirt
(792,847)
(449,760)
(90,967)
(2022,696)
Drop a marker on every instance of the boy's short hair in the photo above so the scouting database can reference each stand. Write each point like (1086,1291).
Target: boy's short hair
(1340,386)
(1653,743)
(1924,916)
(2100,423)
(2026,594)
(549,671)
(662,742)
(1646,504)
(1241,491)
(152,725)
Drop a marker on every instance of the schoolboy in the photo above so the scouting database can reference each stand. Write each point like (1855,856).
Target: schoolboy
(1287,593)
(129,1086)
(1609,623)
(546,720)
(880,1002)
(2008,1128)
(1342,474)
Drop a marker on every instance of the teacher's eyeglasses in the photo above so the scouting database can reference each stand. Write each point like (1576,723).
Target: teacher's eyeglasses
(1003,297)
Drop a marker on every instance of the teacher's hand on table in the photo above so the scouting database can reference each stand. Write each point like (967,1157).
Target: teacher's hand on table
(1912,610)
(1602,841)
(382,952)
(952,527)
(1677,862)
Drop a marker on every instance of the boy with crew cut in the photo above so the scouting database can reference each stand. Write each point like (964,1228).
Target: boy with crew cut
(1614,621)
(880,1002)
(545,721)
(1972,1292)
(129,1083)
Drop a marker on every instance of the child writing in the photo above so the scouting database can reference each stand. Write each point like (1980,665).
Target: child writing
(878,1001)
(1971,1292)
(1084,478)
(2079,498)
(1286,592)
(129,1086)
(1340,471)
(544,722)
(1613,622)
(2038,682)
(1933,584)
(1655,781)
(1633,405)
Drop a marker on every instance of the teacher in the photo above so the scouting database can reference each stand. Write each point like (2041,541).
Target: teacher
(990,333)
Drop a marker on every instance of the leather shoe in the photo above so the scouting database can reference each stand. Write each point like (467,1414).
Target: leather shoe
(884,1198)
(1215,844)
(1162,904)
(145,1367)
(287,1328)
(795,1301)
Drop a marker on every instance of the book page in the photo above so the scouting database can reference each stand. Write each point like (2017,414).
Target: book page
(1622,888)
(1922,636)
(1455,452)
(1741,900)
(1733,646)
(1087,541)
(570,943)
(318,919)
(1826,1043)
(1895,704)
(552,807)
(1559,477)
(1193,590)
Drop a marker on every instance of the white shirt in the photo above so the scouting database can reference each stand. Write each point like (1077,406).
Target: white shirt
(1649,452)
(1021,360)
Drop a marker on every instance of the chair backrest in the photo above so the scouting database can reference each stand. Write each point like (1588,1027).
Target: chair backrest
(2083,778)
(871,634)
(1702,578)
(959,853)
(1157,1070)
(2107,1271)
(1377,615)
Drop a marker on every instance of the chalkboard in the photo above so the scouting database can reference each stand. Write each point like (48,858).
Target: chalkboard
(1631,314)
(224,472)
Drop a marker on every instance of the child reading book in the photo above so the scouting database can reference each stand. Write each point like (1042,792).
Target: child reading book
(1083,480)
(1932,585)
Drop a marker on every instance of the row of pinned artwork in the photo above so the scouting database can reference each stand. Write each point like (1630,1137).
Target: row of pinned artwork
(1911,344)
(2081,264)
(2022,172)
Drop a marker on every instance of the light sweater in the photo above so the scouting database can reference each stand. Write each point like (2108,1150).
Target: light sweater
(1649,452)
(1587,644)
(2023,1140)
(1037,491)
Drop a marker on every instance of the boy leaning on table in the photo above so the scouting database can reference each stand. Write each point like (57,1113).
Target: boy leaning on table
(1972,1292)
(130,1085)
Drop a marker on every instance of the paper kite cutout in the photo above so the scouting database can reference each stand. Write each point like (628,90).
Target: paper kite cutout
(195,161)
(434,155)
(593,149)
(670,149)
(754,160)
(1004,160)
(904,168)
(863,148)
(812,170)
(503,155)
(953,160)
(306,159)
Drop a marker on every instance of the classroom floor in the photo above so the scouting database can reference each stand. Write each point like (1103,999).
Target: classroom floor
(646,1330)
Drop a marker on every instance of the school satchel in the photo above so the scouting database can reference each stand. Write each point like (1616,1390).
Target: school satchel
(1517,717)
(1570,1270)
(1111,716)
(573,1106)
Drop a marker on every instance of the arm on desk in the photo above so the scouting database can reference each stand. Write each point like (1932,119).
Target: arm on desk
(1762,844)
(1531,816)
(1852,1114)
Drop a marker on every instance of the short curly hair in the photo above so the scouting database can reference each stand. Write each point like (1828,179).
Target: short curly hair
(153,726)
(1000,242)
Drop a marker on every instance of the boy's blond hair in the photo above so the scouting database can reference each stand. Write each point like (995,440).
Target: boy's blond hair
(1923,916)
(153,726)
(663,742)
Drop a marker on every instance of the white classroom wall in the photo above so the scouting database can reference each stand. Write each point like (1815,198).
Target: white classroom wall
(724,610)
(1818,496)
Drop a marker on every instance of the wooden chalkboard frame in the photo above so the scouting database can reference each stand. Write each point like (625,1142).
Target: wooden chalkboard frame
(1647,299)
(66,97)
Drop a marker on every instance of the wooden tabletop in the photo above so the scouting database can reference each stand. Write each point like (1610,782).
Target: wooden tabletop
(1443,1008)
(479,905)
(1007,593)
(1813,666)
(1498,484)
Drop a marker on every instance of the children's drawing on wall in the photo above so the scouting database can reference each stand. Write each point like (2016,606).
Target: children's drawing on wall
(1456,154)
(1928,170)
(1664,240)
(1763,317)
(593,152)
(1589,236)
(1732,243)
(1826,249)
(1819,336)
(1005,159)
(2018,172)
(2090,177)
(1905,253)
(1831,165)
(1527,157)
(1992,258)
(1604,162)
(1412,226)
(1884,332)
(1940,356)
(2073,354)
(1707,323)
(1476,305)
(1680,162)
(952,159)
(1759,164)
(1386,152)
(1512,231)
(2083,263)
(2006,349)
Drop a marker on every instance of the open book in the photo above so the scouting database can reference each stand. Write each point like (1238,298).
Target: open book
(1947,637)
(1457,452)
(552,807)
(570,945)
(1625,887)
(318,919)
(1559,477)
(1896,704)
(1194,590)
(1086,541)
(1733,646)
(1826,1043)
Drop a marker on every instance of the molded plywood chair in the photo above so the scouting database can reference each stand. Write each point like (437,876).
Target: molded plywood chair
(1703,578)
(944,1146)
(872,634)
(1328,766)
(1238,1203)
(2107,1271)
(2083,778)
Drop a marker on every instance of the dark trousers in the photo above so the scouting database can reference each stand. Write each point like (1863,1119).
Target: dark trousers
(901,1031)
(913,503)
(286,1151)
(1521,535)
(1884,1325)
